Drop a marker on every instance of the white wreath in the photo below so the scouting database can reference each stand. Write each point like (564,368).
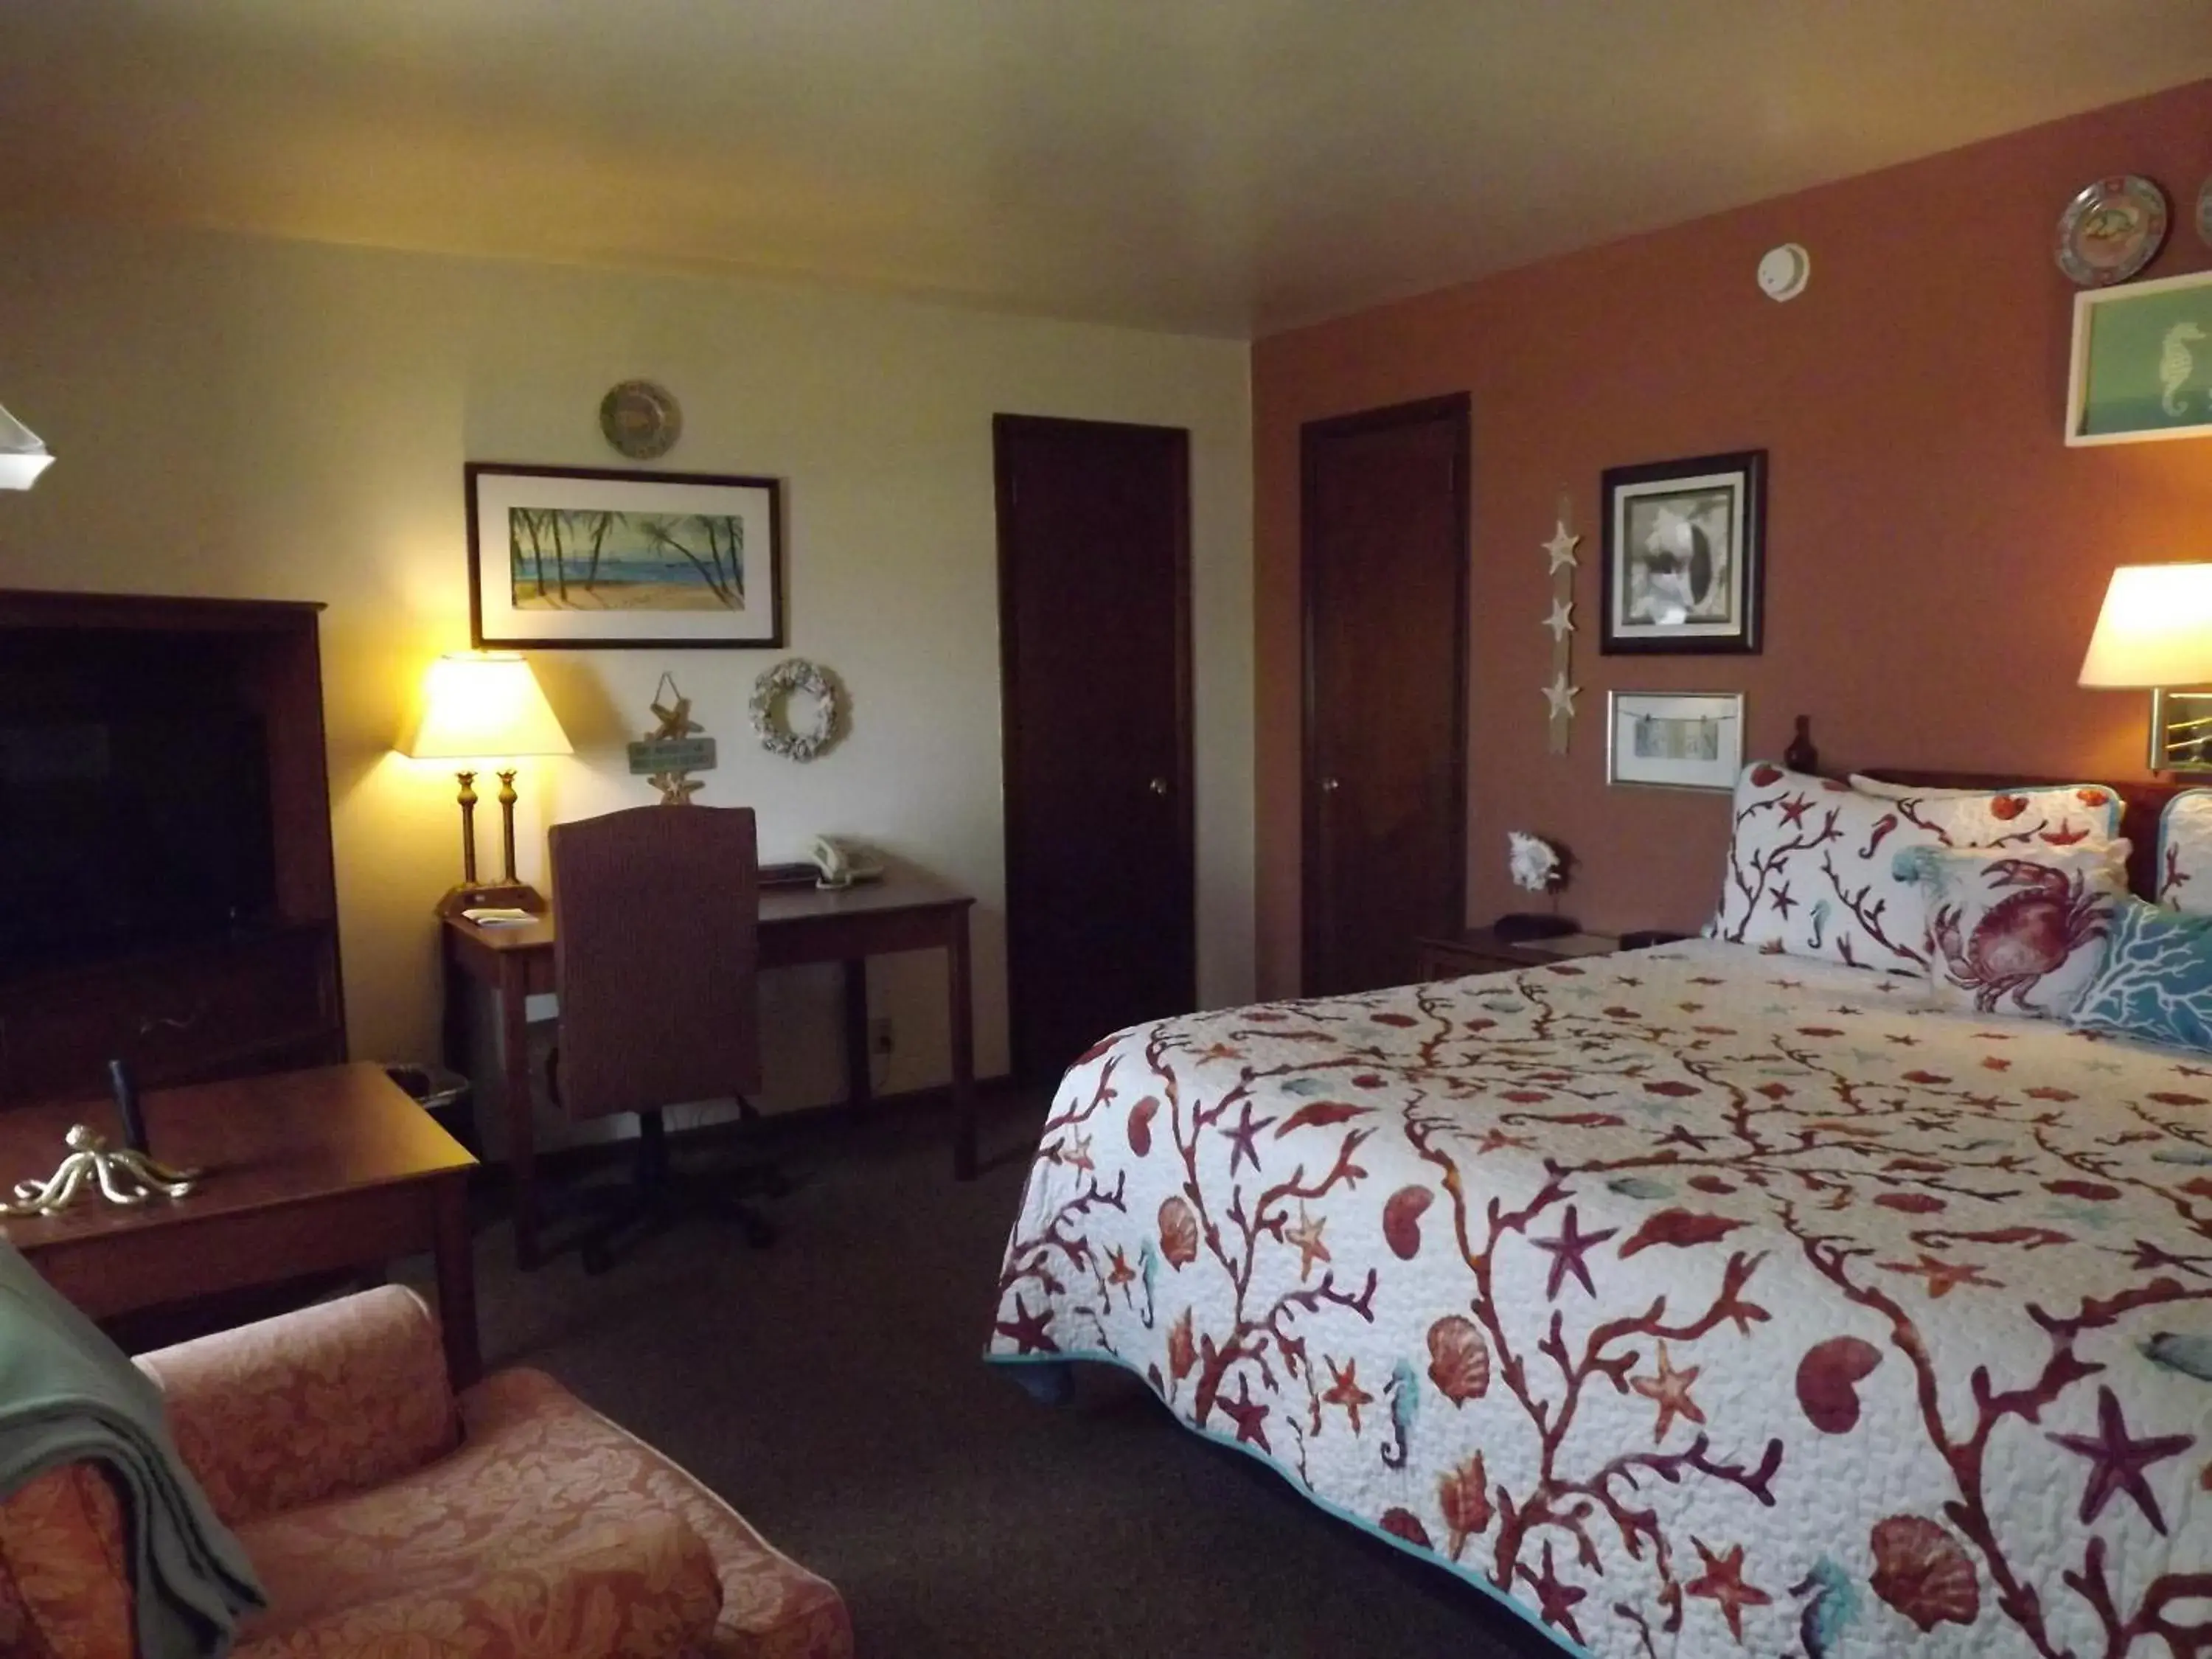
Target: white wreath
(771,707)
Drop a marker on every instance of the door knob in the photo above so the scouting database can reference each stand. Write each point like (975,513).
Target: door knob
(1159,786)
(1330,786)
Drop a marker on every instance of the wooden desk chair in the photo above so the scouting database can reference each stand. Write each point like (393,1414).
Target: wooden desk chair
(656,960)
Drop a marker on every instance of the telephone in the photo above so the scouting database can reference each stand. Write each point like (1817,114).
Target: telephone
(842,863)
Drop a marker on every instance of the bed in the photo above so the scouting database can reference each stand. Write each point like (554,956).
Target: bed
(1689,1301)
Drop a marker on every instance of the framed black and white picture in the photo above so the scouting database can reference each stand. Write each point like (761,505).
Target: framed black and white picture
(1684,542)
(1674,739)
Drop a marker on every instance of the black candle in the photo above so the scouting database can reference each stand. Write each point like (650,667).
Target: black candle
(126,1101)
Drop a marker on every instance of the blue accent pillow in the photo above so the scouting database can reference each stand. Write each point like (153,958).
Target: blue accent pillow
(2156,981)
(2185,852)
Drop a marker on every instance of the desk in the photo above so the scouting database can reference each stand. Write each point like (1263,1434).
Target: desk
(307,1171)
(903,912)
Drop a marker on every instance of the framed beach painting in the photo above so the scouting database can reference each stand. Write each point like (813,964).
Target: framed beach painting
(1684,542)
(574,558)
(2143,362)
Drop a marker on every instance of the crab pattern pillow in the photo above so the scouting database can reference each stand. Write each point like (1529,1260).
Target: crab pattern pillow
(2019,932)
(2185,852)
(1813,870)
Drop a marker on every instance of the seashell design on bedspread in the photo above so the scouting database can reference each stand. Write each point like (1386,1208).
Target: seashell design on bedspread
(1696,1301)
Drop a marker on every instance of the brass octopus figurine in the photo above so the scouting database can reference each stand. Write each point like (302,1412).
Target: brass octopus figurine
(120,1175)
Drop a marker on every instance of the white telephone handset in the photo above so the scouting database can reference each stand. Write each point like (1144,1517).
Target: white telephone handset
(840,863)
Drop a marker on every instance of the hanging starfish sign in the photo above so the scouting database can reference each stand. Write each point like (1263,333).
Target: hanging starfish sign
(673,750)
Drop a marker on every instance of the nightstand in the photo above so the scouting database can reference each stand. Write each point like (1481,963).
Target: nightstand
(1480,951)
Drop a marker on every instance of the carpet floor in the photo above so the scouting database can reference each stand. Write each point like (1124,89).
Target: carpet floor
(830,1388)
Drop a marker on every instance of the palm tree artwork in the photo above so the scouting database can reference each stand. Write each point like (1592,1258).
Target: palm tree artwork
(580,559)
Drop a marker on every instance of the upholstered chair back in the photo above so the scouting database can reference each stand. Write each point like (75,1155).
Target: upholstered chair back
(656,957)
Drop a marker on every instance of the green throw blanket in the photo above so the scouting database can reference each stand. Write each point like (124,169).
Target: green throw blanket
(68,1395)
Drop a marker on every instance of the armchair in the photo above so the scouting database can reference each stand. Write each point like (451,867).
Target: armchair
(377,1506)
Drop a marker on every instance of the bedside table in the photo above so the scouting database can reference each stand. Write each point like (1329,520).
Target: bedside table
(1480,951)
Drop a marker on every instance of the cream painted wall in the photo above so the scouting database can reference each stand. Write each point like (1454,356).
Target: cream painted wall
(247,417)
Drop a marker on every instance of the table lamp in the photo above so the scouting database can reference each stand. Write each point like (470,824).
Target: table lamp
(2155,633)
(485,706)
(22,457)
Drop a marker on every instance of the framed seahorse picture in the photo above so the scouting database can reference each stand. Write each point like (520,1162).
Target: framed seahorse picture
(2143,362)
(576,558)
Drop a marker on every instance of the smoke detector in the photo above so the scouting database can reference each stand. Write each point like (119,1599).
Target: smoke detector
(1783,271)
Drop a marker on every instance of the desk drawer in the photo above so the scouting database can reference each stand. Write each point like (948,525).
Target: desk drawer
(222,1009)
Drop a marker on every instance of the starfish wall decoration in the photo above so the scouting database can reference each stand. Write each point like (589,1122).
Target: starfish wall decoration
(673,750)
(1559,695)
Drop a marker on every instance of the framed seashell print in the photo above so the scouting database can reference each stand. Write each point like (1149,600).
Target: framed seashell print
(1683,544)
(2143,362)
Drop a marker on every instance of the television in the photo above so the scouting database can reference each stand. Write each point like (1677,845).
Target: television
(124,830)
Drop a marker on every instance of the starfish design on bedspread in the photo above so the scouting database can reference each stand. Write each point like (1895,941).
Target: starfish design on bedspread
(1723,1582)
(1669,1389)
(1943,1276)
(1243,1139)
(1306,1236)
(1028,1330)
(1250,1415)
(2116,1462)
(1344,1390)
(1567,1248)
(1555,1601)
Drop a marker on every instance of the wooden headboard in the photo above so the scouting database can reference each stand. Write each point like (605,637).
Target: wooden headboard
(2140,805)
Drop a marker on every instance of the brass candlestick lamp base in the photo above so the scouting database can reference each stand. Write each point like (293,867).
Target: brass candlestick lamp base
(505,894)
(118,1174)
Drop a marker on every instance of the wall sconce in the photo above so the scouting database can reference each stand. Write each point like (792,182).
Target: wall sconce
(22,457)
(2154,633)
(485,706)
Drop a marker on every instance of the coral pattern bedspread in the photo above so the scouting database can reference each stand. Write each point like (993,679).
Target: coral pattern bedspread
(1698,1299)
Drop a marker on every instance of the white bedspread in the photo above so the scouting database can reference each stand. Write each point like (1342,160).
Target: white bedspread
(1697,1300)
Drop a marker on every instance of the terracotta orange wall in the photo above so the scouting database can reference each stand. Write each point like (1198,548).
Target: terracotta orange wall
(1936,554)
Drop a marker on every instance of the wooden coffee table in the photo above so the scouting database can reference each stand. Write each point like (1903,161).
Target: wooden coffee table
(307,1171)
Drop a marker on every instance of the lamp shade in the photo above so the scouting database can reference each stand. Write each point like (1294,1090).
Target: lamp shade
(484,705)
(2155,627)
(22,457)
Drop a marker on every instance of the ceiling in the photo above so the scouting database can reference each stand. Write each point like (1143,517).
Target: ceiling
(1222,166)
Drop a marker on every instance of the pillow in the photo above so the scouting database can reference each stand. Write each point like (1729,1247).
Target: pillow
(2156,980)
(2185,852)
(1811,873)
(1888,791)
(1812,862)
(2026,928)
(2046,814)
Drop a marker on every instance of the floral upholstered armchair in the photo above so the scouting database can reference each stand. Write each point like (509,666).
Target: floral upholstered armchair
(385,1516)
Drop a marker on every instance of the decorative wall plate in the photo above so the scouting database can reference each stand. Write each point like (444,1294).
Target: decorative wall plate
(641,419)
(2111,230)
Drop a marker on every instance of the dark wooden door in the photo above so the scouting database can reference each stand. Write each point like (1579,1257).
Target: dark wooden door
(1094,627)
(1385,522)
